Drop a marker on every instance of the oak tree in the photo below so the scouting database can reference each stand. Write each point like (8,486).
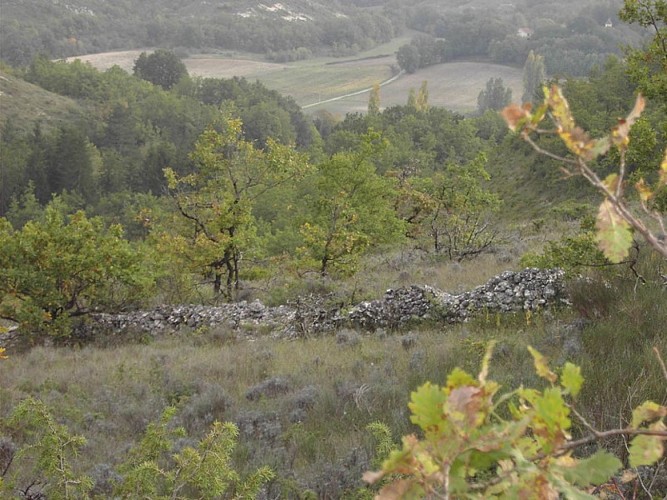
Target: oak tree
(217,199)
(65,266)
(351,209)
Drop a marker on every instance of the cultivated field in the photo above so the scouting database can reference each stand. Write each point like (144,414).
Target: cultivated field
(452,85)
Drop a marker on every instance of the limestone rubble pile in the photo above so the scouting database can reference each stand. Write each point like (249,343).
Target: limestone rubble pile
(528,290)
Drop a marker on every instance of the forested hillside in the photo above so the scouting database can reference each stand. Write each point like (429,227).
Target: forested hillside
(135,194)
(572,36)
(60,29)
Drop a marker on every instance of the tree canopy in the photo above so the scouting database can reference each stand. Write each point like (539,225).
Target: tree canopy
(161,67)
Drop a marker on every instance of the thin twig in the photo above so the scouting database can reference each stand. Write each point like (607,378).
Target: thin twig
(661,361)
(610,433)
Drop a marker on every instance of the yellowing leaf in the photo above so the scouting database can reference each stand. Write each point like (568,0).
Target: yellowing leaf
(541,366)
(611,182)
(646,450)
(614,235)
(579,142)
(663,170)
(571,379)
(560,109)
(644,191)
(2,353)
(484,372)
(620,135)
(648,411)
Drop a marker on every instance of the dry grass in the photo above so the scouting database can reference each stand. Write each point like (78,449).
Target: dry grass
(349,380)
(29,104)
(110,395)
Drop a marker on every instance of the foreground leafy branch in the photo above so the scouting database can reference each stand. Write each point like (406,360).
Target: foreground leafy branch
(616,219)
(479,444)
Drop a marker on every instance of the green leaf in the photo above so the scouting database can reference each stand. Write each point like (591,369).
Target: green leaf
(571,492)
(541,366)
(552,411)
(614,235)
(598,147)
(459,378)
(593,470)
(427,406)
(646,450)
(571,379)
(647,412)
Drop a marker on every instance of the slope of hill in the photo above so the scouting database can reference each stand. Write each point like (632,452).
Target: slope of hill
(25,104)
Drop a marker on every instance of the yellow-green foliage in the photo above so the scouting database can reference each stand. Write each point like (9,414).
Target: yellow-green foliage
(203,471)
(50,452)
(53,269)
(151,470)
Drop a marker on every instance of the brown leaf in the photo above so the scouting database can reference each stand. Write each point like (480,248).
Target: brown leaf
(620,135)
(371,477)
(467,401)
(628,476)
(394,491)
(514,115)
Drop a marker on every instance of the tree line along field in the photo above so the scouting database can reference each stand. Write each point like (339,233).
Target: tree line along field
(453,85)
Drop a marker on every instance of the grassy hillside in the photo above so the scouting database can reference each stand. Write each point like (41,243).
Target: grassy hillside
(302,406)
(25,104)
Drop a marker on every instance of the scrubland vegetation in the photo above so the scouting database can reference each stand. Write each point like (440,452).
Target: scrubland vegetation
(122,192)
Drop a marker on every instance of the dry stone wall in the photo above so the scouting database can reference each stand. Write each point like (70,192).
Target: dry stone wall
(527,290)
